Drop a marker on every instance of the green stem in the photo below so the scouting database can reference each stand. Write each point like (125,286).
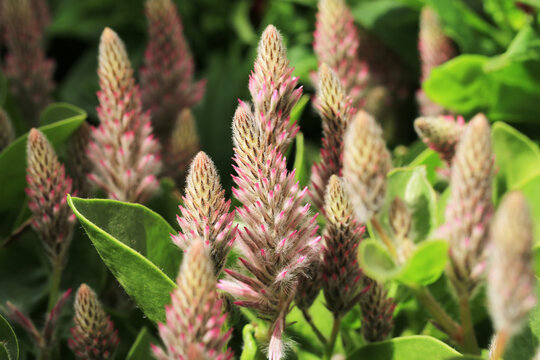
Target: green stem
(309,320)
(55,282)
(470,345)
(439,314)
(329,350)
(384,236)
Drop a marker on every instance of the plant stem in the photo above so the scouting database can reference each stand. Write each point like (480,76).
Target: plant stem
(384,236)
(55,282)
(309,320)
(329,350)
(469,339)
(442,318)
(499,345)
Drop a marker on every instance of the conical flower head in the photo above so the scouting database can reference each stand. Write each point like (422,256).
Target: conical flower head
(336,43)
(470,208)
(342,277)
(511,277)
(194,319)
(79,163)
(279,240)
(47,189)
(205,214)
(123,149)
(366,161)
(26,66)
(334,107)
(440,133)
(93,336)
(400,223)
(7,132)
(377,312)
(273,90)
(167,83)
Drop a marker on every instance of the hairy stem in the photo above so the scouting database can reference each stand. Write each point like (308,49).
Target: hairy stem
(55,282)
(499,345)
(309,320)
(384,236)
(470,345)
(329,350)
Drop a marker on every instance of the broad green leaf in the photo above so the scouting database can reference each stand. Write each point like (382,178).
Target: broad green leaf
(525,46)
(531,191)
(119,247)
(8,341)
(516,156)
(412,186)
(140,350)
(58,112)
(300,166)
(405,348)
(13,167)
(426,264)
(432,161)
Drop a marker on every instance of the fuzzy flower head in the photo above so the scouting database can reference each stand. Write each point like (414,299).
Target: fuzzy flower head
(47,189)
(334,107)
(123,149)
(336,43)
(511,277)
(440,133)
(279,240)
(167,84)
(93,336)
(7,132)
(400,223)
(470,207)
(377,312)
(26,66)
(273,90)
(342,277)
(366,161)
(205,213)
(194,319)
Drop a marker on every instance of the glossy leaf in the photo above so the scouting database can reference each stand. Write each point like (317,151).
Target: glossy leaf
(405,348)
(59,111)
(121,242)
(8,341)
(140,350)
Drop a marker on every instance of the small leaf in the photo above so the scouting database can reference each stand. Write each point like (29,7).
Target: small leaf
(432,161)
(298,109)
(8,341)
(250,349)
(405,348)
(149,287)
(140,350)
(426,264)
(375,260)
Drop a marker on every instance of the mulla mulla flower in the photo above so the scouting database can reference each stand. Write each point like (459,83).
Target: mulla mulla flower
(400,222)
(7,132)
(511,275)
(440,133)
(435,49)
(194,326)
(26,65)
(167,84)
(336,43)
(335,109)
(205,212)
(377,311)
(123,150)
(93,336)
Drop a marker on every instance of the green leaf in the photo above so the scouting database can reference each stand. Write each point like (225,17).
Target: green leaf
(140,350)
(58,112)
(376,261)
(298,109)
(121,232)
(525,46)
(250,349)
(516,157)
(13,168)
(536,254)
(302,170)
(531,191)
(426,264)
(432,161)
(506,14)
(412,186)
(8,341)
(406,348)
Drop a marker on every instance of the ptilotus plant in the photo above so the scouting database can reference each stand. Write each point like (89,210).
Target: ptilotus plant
(43,340)
(336,43)
(400,223)
(79,163)
(167,84)
(279,239)
(334,107)
(93,337)
(440,133)
(205,212)
(435,49)
(7,132)
(47,189)
(123,150)
(511,276)
(29,72)
(377,311)
(194,327)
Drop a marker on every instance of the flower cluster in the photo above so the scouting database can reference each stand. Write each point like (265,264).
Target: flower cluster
(441,133)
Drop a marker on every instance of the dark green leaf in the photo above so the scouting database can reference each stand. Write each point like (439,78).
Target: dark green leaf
(130,229)
(8,341)
(58,112)
(140,350)
(405,348)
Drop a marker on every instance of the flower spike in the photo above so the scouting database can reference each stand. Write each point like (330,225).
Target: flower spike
(440,133)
